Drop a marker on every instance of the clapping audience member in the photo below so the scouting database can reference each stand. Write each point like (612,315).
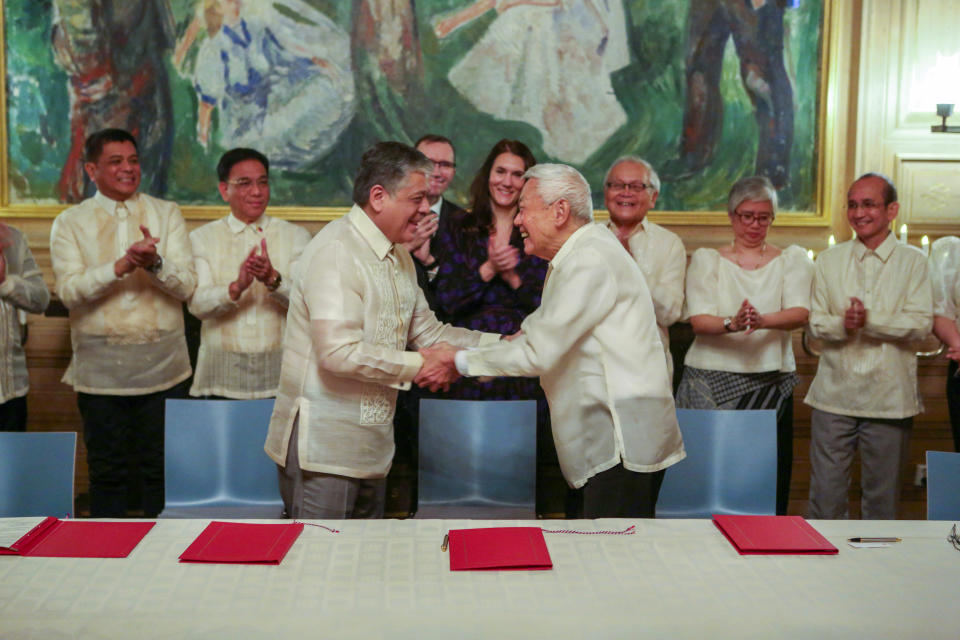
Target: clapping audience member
(871,302)
(355,307)
(126,320)
(21,289)
(743,300)
(487,282)
(244,264)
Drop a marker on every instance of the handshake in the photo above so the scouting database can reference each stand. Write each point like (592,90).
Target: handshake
(439,370)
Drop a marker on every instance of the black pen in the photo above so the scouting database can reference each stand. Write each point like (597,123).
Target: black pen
(874,540)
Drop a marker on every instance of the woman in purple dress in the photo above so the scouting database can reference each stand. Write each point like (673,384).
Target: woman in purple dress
(486,282)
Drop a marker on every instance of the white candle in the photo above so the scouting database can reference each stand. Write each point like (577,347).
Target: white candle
(831,241)
(810,253)
(903,233)
(925,245)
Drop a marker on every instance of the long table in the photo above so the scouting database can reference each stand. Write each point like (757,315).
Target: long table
(389,579)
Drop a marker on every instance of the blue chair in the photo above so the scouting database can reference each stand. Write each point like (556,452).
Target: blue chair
(730,468)
(36,473)
(478,459)
(214,465)
(943,485)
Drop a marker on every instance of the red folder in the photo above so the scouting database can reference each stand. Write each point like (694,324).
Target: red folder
(773,535)
(54,538)
(498,548)
(242,543)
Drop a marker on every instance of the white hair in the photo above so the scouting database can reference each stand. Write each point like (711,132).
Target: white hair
(560,182)
(652,176)
(758,188)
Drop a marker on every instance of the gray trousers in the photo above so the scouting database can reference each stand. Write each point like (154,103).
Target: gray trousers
(883,449)
(313,495)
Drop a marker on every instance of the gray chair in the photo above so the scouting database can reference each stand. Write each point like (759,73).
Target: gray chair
(36,473)
(214,462)
(943,485)
(478,459)
(730,468)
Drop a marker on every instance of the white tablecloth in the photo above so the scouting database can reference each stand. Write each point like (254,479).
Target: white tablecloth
(388,579)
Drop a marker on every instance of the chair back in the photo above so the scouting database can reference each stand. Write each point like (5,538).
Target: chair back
(478,459)
(215,465)
(36,473)
(943,485)
(730,468)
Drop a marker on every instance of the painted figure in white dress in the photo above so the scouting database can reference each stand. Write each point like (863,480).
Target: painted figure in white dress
(279,73)
(546,63)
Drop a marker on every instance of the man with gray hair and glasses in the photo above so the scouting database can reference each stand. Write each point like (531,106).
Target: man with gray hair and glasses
(355,307)
(594,344)
(630,190)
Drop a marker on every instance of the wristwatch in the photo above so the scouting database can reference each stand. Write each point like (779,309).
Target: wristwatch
(728,324)
(156,266)
(273,286)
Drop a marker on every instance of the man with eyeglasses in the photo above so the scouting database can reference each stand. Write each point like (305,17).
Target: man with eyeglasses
(630,190)
(123,268)
(871,302)
(439,150)
(244,264)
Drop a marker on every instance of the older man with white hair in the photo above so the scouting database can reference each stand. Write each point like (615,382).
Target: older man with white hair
(630,190)
(595,345)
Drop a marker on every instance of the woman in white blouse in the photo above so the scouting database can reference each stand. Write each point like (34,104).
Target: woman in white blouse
(945,274)
(743,300)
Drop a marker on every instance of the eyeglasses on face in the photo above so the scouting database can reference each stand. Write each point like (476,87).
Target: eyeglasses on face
(636,187)
(763,219)
(444,164)
(246,183)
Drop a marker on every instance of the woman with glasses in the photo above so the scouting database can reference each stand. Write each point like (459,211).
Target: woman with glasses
(743,300)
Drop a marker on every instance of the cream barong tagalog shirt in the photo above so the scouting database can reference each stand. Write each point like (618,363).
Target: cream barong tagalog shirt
(355,308)
(717,287)
(662,260)
(127,333)
(872,372)
(241,342)
(22,289)
(594,343)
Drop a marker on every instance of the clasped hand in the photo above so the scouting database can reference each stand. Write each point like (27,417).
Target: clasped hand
(747,319)
(855,317)
(438,371)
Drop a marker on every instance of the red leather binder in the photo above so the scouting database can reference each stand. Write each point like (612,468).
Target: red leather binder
(498,548)
(773,535)
(55,538)
(242,543)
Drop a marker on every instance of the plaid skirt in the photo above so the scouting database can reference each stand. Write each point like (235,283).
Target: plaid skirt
(707,389)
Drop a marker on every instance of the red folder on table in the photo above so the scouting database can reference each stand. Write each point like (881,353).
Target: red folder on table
(498,548)
(242,543)
(54,538)
(773,535)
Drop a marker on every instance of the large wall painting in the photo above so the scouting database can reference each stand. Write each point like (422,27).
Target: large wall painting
(706,90)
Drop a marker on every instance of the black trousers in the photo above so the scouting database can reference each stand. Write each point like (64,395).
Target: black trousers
(124,438)
(13,414)
(953,403)
(616,493)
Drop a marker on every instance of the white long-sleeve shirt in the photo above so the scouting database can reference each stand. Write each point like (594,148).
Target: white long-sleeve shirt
(594,343)
(241,341)
(871,372)
(127,333)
